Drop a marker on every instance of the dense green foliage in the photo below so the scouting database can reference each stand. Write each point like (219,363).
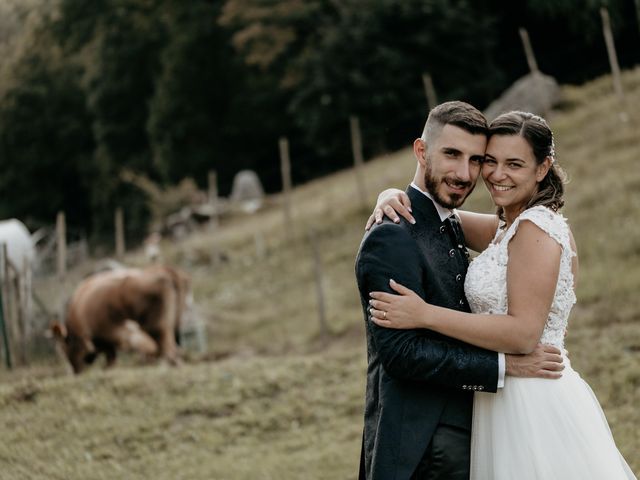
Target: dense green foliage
(171,89)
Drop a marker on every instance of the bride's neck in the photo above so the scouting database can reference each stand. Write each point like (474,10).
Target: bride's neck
(510,215)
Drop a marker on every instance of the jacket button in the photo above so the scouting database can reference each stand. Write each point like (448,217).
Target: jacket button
(461,303)
(464,387)
(452,252)
(458,277)
(442,229)
(480,388)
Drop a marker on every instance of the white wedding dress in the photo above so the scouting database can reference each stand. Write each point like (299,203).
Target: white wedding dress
(537,429)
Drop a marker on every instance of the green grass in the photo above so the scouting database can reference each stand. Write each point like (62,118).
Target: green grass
(284,403)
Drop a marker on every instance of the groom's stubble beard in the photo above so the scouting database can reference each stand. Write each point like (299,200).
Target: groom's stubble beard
(432,183)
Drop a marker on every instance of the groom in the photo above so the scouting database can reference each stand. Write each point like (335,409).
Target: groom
(420,384)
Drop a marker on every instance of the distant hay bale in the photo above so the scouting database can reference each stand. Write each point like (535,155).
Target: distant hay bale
(247,191)
(536,93)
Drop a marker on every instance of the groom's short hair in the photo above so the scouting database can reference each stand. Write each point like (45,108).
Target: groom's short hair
(459,114)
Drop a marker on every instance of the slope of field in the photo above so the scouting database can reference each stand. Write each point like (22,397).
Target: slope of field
(272,398)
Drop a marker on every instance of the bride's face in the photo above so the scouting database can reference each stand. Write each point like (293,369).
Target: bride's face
(510,171)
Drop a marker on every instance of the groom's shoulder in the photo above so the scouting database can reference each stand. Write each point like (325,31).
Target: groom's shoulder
(387,234)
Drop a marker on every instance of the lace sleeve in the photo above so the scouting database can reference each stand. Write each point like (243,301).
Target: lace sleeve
(554,224)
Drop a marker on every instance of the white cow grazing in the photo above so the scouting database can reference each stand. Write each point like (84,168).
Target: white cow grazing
(19,243)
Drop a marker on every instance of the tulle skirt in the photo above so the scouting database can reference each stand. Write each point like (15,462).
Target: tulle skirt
(537,429)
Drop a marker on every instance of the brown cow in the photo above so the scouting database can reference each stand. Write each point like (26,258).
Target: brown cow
(127,309)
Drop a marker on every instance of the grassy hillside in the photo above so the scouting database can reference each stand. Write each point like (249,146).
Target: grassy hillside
(271,399)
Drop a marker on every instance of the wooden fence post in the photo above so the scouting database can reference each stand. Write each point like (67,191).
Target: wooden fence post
(61,237)
(61,243)
(430,91)
(528,51)
(285,168)
(3,306)
(213,198)
(535,71)
(611,52)
(11,297)
(119,221)
(358,160)
(317,269)
(5,336)
(27,303)
(19,322)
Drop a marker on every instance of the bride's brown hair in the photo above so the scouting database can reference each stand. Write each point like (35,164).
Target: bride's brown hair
(536,132)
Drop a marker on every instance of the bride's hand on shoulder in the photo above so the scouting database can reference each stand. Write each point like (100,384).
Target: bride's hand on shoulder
(403,311)
(391,202)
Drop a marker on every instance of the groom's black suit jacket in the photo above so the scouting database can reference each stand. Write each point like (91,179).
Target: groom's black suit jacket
(416,379)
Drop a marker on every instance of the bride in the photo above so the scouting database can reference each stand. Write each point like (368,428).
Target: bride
(521,291)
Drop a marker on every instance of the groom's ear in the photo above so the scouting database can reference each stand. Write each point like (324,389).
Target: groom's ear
(420,151)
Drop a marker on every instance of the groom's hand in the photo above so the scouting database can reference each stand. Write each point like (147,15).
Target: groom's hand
(544,362)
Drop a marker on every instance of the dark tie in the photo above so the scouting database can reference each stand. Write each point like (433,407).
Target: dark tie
(458,236)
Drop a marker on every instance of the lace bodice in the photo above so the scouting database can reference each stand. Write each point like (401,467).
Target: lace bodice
(486,282)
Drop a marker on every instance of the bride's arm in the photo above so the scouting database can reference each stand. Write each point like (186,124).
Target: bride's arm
(391,202)
(532,275)
(478,228)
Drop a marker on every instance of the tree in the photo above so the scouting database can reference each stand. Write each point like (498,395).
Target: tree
(170,89)
(46,145)
(119,44)
(188,114)
(333,59)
